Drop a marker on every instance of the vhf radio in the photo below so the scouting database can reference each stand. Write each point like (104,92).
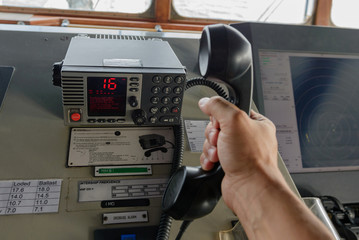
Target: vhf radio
(111,82)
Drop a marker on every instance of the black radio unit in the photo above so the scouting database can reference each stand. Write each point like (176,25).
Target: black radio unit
(111,82)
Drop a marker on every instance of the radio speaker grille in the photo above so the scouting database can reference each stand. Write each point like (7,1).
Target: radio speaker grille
(73,91)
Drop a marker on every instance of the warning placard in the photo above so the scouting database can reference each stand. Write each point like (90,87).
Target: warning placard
(120,146)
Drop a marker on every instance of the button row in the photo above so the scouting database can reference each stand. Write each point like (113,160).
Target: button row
(167,90)
(164,110)
(168,79)
(134,84)
(165,100)
(101,120)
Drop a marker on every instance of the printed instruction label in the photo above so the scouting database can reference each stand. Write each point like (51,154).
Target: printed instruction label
(120,146)
(121,189)
(29,196)
(195,134)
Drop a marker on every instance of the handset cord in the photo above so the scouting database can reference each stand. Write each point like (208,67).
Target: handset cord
(201,81)
(183,228)
(164,229)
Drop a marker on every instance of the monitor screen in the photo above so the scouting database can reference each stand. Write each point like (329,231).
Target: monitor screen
(312,99)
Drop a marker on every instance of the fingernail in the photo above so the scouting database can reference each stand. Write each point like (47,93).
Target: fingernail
(210,152)
(210,136)
(203,101)
(205,164)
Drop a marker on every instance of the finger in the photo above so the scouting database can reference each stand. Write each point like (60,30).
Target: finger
(205,163)
(210,152)
(211,134)
(220,109)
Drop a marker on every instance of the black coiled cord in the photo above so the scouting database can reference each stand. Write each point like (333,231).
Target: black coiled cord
(164,229)
(204,82)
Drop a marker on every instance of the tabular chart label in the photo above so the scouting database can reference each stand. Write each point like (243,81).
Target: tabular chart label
(29,196)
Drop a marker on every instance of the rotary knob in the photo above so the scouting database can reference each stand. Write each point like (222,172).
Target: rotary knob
(139,116)
(133,101)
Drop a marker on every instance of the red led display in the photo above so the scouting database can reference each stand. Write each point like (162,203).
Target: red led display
(106,96)
(109,83)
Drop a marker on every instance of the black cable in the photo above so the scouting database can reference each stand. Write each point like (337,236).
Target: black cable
(183,228)
(164,229)
(173,146)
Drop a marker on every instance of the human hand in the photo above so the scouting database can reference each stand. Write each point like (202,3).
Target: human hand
(253,187)
(246,146)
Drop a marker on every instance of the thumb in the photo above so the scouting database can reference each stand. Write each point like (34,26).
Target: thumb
(222,110)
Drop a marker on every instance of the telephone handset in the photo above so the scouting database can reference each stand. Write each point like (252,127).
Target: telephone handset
(224,55)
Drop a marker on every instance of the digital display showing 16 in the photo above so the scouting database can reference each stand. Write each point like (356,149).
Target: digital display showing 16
(106,96)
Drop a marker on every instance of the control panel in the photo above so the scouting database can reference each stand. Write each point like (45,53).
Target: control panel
(120,82)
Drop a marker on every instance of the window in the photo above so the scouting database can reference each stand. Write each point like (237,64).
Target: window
(345,13)
(120,6)
(279,11)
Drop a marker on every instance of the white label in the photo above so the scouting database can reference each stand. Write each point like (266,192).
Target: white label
(121,189)
(120,146)
(195,134)
(125,217)
(29,196)
(119,62)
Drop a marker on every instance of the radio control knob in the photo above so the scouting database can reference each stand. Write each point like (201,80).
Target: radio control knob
(139,116)
(133,101)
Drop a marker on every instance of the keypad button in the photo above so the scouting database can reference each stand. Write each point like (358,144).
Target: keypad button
(165,100)
(155,100)
(153,120)
(164,119)
(168,79)
(133,89)
(165,110)
(156,90)
(175,110)
(172,119)
(166,90)
(179,79)
(91,120)
(156,79)
(176,100)
(134,79)
(154,110)
(177,90)
(168,119)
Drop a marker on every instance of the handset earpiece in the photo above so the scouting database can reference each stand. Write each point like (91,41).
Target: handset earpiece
(225,54)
